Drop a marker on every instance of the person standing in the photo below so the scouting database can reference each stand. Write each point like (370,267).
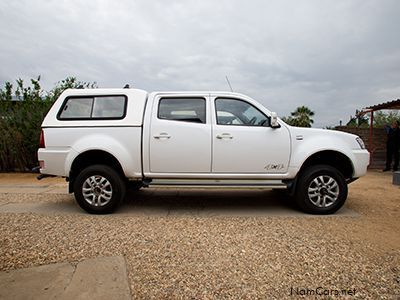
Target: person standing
(392,146)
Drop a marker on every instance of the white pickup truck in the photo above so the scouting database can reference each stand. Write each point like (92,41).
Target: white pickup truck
(104,140)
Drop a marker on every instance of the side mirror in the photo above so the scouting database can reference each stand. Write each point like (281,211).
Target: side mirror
(274,120)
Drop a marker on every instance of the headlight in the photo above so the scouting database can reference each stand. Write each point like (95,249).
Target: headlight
(360,142)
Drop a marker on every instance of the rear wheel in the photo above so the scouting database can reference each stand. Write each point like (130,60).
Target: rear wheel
(99,189)
(321,189)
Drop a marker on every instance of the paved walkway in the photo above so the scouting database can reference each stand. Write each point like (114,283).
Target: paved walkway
(99,278)
(157,201)
(177,208)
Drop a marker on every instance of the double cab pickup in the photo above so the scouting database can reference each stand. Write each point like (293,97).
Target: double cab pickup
(106,140)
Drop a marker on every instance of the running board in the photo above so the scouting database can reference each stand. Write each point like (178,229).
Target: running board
(209,183)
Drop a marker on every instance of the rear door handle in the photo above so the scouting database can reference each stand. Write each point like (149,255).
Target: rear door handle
(162,135)
(224,136)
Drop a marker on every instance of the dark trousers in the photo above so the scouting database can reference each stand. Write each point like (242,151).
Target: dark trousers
(392,151)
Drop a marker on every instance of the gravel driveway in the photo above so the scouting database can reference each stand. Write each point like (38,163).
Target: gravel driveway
(217,255)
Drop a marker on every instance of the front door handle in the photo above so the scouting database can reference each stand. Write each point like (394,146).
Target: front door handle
(224,136)
(162,135)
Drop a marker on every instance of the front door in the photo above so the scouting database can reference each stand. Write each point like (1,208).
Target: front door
(180,135)
(243,141)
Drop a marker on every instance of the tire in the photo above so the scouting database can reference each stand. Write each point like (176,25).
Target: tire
(321,189)
(99,189)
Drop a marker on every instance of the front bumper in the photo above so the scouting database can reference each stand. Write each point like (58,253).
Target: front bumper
(361,159)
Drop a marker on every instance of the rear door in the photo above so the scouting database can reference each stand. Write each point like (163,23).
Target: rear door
(180,134)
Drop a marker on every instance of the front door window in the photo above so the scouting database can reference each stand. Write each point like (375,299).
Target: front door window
(238,112)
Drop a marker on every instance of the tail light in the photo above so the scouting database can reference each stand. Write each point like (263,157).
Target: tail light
(41,142)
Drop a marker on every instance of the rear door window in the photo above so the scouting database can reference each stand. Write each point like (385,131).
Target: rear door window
(183,109)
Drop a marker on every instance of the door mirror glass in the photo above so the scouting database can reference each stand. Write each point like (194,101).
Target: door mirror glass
(274,120)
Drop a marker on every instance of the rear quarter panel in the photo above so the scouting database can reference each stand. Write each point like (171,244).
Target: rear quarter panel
(124,143)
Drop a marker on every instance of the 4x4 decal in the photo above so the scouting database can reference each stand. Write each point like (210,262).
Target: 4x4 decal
(274,167)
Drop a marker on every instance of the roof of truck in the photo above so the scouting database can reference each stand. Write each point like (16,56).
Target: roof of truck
(103,91)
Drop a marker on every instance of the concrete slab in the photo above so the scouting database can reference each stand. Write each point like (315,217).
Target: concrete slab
(193,202)
(33,189)
(41,208)
(216,202)
(57,190)
(231,202)
(21,190)
(99,278)
(46,282)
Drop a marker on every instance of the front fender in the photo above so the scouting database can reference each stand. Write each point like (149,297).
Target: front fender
(304,149)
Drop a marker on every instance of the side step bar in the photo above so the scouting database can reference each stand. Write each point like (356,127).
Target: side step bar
(201,183)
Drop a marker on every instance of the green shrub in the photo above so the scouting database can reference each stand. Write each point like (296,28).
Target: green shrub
(20,121)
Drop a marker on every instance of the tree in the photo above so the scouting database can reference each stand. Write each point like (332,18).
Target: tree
(301,117)
(381,118)
(288,120)
(20,124)
(20,121)
(359,120)
(68,83)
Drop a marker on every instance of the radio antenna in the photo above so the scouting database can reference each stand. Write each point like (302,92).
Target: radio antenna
(229,83)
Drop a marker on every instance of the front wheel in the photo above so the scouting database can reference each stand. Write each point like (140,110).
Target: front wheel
(321,189)
(99,189)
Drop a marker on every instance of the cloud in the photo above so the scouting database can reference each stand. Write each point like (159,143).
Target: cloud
(332,57)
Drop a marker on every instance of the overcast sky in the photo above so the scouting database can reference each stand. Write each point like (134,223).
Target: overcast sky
(332,56)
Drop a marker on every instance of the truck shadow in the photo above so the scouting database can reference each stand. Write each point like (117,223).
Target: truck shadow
(212,202)
(183,202)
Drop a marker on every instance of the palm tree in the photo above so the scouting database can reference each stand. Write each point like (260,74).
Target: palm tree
(301,117)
